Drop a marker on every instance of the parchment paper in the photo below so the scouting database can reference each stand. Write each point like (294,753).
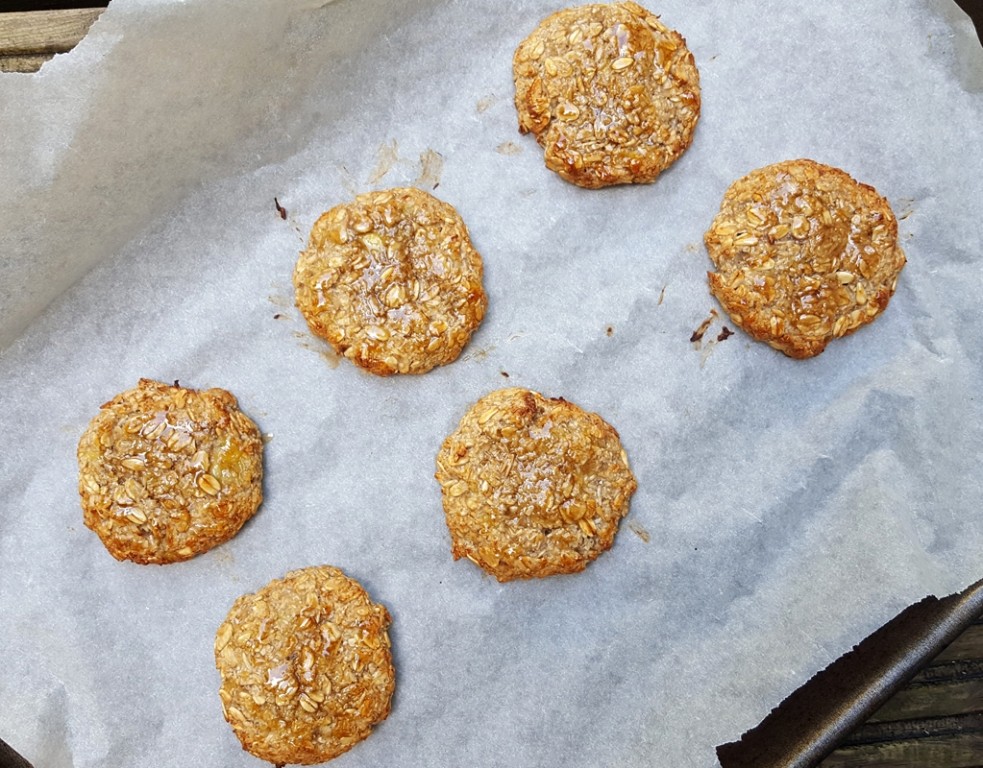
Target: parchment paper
(785,509)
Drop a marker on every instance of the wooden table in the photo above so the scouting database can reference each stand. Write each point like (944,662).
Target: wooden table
(29,39)
(936,721)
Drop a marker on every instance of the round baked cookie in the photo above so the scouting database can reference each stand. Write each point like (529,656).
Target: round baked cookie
(392,281)
(306,667)
(532,486)
(166,472)
(610,92)
(804,254)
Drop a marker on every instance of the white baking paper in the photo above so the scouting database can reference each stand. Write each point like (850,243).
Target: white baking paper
(785,508)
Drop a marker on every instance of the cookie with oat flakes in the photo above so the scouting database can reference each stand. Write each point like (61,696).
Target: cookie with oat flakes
(610,93)
(804,254)
(306,667)
(532,486)
(167,472)
(392,281)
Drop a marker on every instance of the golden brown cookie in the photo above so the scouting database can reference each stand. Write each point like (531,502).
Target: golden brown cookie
(804,254)
(610,92)
(532,486)
(166,472)
(306,667)
(392,281)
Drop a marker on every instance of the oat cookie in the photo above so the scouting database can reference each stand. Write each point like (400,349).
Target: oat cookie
(166,472)
(306,667)
(610,92)
(532,486)
(804,254)
(392,281)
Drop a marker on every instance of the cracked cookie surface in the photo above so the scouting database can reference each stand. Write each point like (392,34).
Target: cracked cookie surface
(610,93)
(532,486)
(392,281)
(166,472)
(804,254)
(306,666)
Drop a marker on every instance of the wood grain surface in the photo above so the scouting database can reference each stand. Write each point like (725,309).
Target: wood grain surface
(29,39)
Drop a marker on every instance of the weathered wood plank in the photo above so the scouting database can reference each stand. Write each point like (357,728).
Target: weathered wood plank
(29,63)
(934,700)
(961,751)
(37,32)
(908,730)
(949,671)
(969,645)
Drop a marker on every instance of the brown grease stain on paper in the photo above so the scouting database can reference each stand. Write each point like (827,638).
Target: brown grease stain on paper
(316,345)
(385,158)
(639,530)
(508,148)
(697,339)
(479,354)
(698,334)
(348,181)
(431,166)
